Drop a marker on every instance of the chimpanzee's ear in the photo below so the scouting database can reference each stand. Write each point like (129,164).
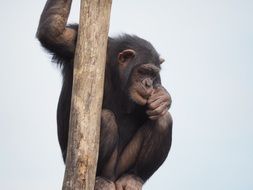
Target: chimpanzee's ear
(161,60)
(126,55)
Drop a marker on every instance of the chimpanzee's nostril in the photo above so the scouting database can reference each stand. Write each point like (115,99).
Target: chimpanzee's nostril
(148,83)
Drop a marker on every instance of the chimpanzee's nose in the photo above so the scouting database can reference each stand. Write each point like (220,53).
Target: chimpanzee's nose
(148,83)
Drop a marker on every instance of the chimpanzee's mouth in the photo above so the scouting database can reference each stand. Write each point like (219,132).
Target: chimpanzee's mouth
(140,96)
(145,92)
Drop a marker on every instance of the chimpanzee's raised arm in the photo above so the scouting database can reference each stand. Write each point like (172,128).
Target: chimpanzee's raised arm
(53,33)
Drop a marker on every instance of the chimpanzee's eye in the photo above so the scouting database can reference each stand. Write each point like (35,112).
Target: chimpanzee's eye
(148,73)
(142,71)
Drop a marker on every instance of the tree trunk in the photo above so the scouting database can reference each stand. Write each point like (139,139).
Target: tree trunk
(87,94)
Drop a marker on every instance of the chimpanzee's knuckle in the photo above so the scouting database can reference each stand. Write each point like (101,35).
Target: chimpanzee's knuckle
(168,101)
(152,106)
(129,187)
(161,109)
(156,111)
(107,115)
(151,114)
(166,98)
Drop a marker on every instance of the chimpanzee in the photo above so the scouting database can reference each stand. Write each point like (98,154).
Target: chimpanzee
(136,126)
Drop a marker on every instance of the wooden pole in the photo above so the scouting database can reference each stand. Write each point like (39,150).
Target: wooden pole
(87,93)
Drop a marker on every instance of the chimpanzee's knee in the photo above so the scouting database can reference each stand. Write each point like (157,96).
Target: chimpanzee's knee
(109,128)
(108,138)
(155,147)
(164,123)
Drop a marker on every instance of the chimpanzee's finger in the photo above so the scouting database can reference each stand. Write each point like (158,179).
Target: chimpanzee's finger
(164,112)
(162,99)
(118,186)
(155,96)
(154,117)
(158,110)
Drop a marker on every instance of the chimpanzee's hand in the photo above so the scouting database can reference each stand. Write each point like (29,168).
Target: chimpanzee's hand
(158,103)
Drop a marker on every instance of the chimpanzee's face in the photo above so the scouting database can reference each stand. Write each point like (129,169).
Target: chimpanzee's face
(138,77)
(143,80)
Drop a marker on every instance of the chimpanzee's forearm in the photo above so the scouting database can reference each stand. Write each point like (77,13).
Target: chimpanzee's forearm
(52,31)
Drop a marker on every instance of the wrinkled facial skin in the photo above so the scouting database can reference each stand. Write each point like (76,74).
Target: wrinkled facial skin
(142,83)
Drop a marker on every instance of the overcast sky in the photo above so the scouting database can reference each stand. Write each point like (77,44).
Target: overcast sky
(208,47)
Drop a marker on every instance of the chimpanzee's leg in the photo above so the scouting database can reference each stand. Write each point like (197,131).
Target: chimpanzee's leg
(145,153)
(107,151)
(155,148)
(63,113)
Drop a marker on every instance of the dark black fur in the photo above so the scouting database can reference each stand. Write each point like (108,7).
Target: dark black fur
(133,142)
(130,117)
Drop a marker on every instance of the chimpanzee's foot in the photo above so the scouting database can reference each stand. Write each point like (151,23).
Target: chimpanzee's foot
(104,184)
(129,182)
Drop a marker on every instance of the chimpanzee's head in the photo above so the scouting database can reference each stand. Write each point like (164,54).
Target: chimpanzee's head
(138,66)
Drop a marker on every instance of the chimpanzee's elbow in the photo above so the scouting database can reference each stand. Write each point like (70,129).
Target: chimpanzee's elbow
(43,36)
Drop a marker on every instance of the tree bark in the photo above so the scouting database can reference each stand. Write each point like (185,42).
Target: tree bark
(87,94)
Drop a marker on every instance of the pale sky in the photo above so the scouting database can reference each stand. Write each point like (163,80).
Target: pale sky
(208,47)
